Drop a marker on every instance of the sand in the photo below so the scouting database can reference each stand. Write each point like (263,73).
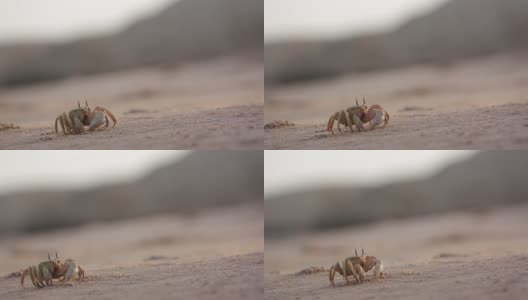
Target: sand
(481,255)
(477,104)
(216,104)
(216,254)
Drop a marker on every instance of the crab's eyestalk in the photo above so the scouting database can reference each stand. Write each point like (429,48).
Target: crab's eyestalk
(357,103)
(49,258)
(79,104)
(364,102)
(56,255)
(362,252)
(86,102)
(356,253)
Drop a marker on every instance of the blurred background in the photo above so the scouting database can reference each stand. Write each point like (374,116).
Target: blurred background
(46,189)
(328,38)
(58,39)
(312,191)
(122,207)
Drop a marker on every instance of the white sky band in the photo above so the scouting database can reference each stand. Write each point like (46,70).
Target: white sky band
(34,169)
(312,19)
(27,20)
(286,171)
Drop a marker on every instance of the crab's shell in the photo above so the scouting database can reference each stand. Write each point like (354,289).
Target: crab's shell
(355,110)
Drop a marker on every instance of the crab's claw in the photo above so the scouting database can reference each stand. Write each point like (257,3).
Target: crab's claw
(72,269)
(377,264)
(378,269)
(370,262)
(107,112)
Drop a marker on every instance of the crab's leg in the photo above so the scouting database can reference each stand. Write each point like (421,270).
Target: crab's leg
(360,272)
(330,126)
(35,276)
(78,127)
(69,124)
(30,273)
(346,271)
(64,123)
(56,123)
(339,118)
(350,267)
(40,276)
(348,120)
(81,272)
(23,275)
(46,276)
(358,123)
(61,122)
(331,275)
(39,279)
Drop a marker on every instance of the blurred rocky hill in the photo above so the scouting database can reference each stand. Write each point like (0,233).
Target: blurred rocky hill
(188,30)
(486,180)
(457,30)
(199,181)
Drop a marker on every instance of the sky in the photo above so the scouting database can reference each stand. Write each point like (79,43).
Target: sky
(58,20)
(286,171)
(289,19)
(22,170)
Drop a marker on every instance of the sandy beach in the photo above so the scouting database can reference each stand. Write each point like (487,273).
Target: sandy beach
(217,254)
(461,255)
(474,104)
(217,104)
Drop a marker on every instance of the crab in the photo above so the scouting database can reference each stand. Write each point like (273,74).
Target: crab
(43,274)
(357,115)
(76,119)
(357,266)
(348,117)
